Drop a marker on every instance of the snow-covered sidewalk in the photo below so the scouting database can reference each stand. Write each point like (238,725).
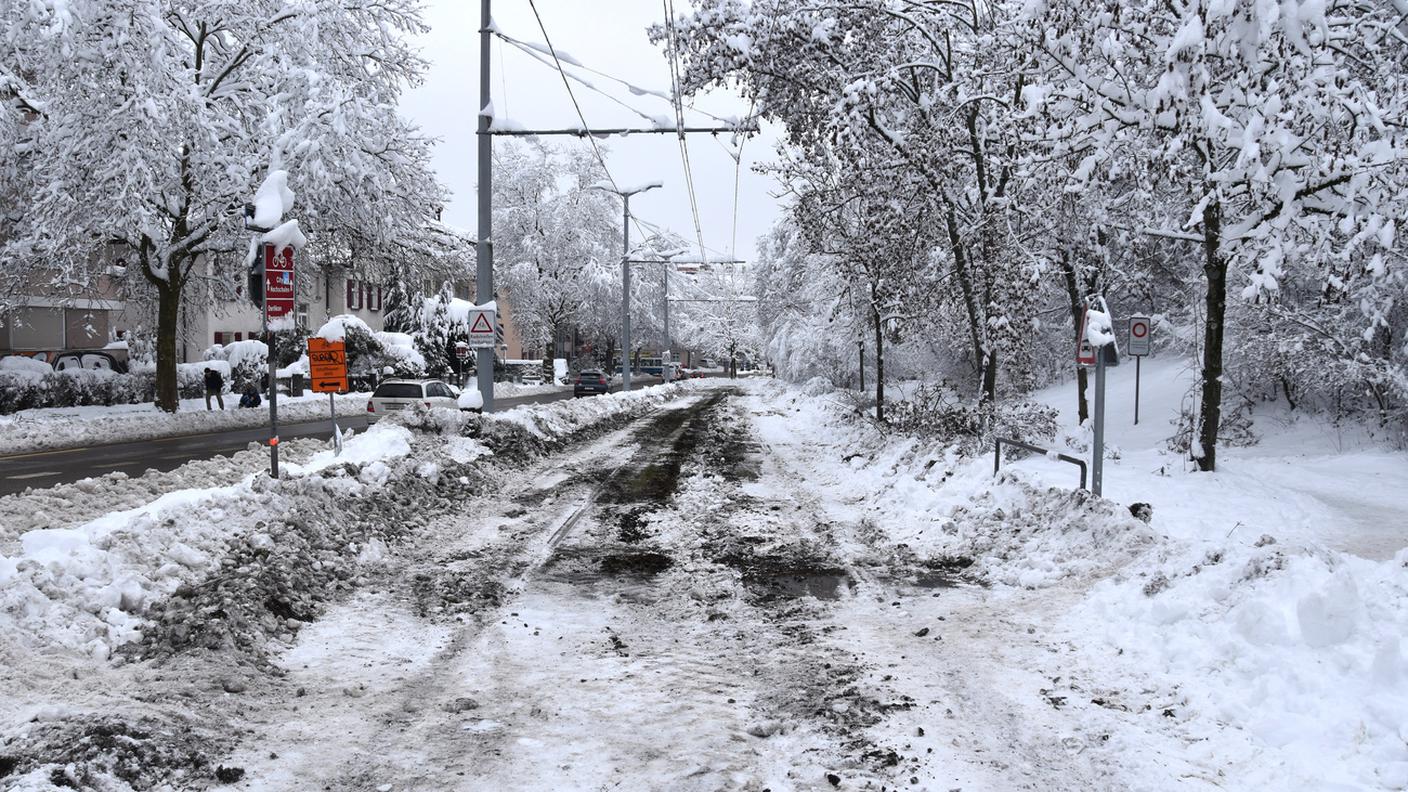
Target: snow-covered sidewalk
(77,427)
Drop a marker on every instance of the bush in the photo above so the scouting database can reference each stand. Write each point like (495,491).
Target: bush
(936,411)
(84,388)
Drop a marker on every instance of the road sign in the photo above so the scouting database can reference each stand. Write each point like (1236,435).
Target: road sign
(1140,335)
(481,328)
(279,292)
(1085,353)
(327,365)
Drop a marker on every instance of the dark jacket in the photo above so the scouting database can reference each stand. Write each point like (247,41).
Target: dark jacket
(250,398)
(213,380)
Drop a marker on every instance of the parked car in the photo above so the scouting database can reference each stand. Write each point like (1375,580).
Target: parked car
(591,381)
(393,395)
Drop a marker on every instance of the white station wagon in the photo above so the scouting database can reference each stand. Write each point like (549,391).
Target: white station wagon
(394,395)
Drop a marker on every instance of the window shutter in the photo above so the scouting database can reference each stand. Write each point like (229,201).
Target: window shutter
(351,286)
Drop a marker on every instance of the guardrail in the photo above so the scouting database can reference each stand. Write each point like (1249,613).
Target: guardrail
(997,456)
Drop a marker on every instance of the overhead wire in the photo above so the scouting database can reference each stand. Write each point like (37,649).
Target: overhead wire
(672,55)
(529,48)
(566,83)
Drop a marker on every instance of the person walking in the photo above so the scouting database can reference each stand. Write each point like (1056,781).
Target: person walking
(214,385)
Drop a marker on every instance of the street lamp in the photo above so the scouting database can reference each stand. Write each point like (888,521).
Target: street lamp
(626,271)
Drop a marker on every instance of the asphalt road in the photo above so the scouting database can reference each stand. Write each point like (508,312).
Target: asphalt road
(47,468)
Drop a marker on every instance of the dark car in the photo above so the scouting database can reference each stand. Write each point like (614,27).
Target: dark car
(591,381)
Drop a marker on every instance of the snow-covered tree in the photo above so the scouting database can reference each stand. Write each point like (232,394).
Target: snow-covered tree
(557,242)
(140,128)
(1270,128)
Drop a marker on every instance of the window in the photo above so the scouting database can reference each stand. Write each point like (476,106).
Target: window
(374,298)
(37,328)
(354,295)
(85,328)
(397,390)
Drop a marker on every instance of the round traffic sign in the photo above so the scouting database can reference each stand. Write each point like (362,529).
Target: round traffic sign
(1139,329)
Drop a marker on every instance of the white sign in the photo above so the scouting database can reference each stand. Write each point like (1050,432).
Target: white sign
(1140,335)
(482,322)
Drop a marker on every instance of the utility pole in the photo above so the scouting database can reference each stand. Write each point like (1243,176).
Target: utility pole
(625,272)
(626,292)
(666,352)
(484,272)
(484,250)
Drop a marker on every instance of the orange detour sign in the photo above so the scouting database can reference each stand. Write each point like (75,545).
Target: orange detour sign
(327,365)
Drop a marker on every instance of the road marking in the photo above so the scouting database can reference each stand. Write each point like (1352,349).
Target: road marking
(41,474)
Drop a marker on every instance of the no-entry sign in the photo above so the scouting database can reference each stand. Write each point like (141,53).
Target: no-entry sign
(327,365)
(1140,335)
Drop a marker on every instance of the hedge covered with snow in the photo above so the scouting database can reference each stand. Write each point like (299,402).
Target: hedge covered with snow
(27,389)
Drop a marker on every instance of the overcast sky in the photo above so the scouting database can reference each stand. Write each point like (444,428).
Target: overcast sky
(608,35)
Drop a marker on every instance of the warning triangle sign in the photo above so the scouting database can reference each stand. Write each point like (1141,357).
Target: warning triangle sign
(481,324)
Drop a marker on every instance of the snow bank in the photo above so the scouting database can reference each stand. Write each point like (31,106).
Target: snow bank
(1301,648)
(562,418)
(86,587)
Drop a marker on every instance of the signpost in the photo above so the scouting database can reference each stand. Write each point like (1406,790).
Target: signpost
(327,368)
(279,297)
(1140,342)
(1106,353)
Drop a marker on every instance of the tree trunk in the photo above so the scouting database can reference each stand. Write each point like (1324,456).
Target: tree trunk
(965,287)
(1077,310)
(989,378)
(168,311)
(879,367)
(1215,268)
(860,345)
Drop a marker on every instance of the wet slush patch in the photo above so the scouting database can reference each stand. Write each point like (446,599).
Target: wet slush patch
(635,563)
(585,565)
(633,525)
(770,578)
(655,482)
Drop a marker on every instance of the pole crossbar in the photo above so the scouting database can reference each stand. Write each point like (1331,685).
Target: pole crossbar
(997,456)
(621,132)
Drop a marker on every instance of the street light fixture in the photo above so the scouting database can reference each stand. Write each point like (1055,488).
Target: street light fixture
(626,271)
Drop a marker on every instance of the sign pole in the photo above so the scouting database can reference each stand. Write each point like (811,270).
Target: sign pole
(1140,344)
(1097,463)
(336,433)
(273,373)
(1137,360)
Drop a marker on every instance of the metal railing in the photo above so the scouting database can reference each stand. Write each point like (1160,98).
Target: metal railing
(997,456)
